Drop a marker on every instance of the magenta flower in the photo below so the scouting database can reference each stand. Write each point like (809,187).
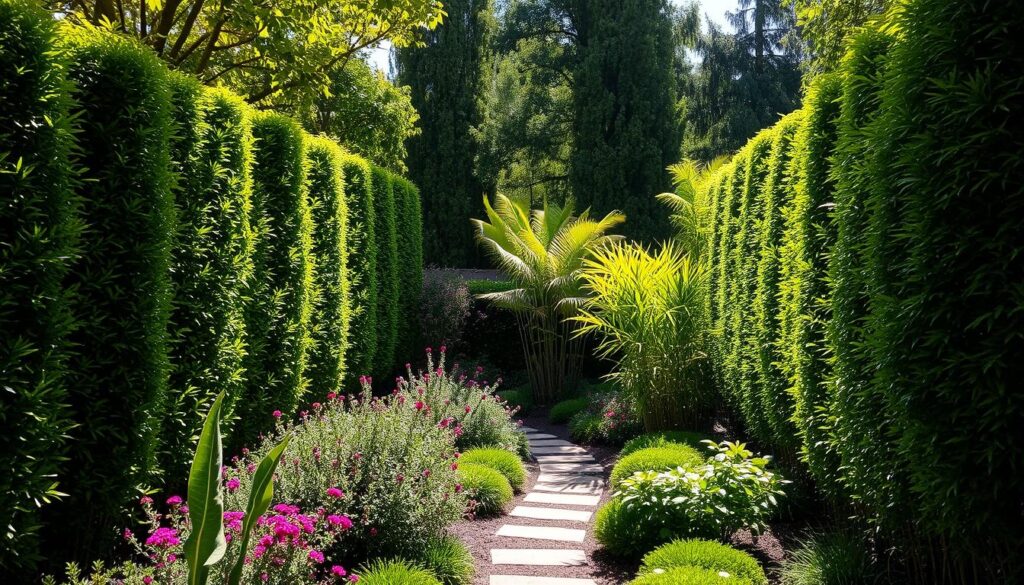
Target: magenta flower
(163,538)
(147,579)
(426,473)
(316,556)
(458,488)
(332,395)
(145,500)
(340,520)
(335,493)
(277,414)
(419,405)
(353,578)
(467,409)
(339,570)
(128,534)
(444,349)
(174,500)
(233,484)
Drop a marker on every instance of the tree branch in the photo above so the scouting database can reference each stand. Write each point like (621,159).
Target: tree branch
(186,29)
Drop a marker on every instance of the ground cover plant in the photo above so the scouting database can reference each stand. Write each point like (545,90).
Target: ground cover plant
(706,554)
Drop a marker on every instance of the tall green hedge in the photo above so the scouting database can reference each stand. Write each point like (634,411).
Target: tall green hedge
(331,312)
(281,292)
(38,238)
(211,261)
(362,266)
(387,271)
(117,377)
(410,257)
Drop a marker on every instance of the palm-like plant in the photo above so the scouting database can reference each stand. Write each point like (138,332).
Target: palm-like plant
(543,252)
(689,178)
(648,310)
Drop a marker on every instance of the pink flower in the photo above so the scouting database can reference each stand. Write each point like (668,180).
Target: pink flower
(426,473)
(400,478)
(163,538)
(419,405)
(264,576)
(339,570)
(233,484)
(316,406)
(458,431)
(458,488)
(428,350)
(144,500)
(445,422)
(277,414)
(353,578)
(340,520)
(455,466)
(174,500)
(335,493)
(467,409)
(128,534)
(147,579)
(444,349)
(373,532)
(332,395)
(171,558)
(316,556)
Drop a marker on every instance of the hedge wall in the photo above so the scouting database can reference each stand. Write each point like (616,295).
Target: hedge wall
(331,311)
(385,232)
(38,236)
(886,325)
(410,257)
(117,376)
(362,266)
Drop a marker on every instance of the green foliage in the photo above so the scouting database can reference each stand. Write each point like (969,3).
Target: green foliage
(666,439)
(543,252)
(562,412)
(211,152)
(446,74)
(449,560)
(689,576)
(834,558)
(117,377)
(732,490)
(504,462)
(610,419)
(395,572)
(655,459)
(705,554)
(39,233)
(488,489)
(206,543)
(388,280)
(826,27)
(585,427)
(482,287)
(332,313)
(409,222)
(621,533)
(362,266)
(282,288)
(519,398)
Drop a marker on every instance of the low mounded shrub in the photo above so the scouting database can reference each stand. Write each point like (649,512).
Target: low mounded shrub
(449,560)
(500,460)
(655,459)
(689,576)
(396,572)
(705,554)
(585,428)
(829,559)
(486,487)
(620,532)
(669,439)
(562,412)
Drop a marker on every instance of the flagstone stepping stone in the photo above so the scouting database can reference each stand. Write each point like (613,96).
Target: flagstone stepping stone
(528,429)
(562,499)
(542,532)
(566,459)
(552,443)
(560,450)
(533,436)
(570,478)
(526,580)
(570,468)
(551,513)
(568,488)
(538,557)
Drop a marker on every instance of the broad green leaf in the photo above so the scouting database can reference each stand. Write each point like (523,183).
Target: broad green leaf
(206,545)
(259,500)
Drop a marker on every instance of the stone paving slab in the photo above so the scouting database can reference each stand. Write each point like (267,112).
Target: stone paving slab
(562,499)
(542,532)
(533,436)
(551,513)
(561,450)
(570,468)
(527,580)
(570,478)
(551,443)
(575,458)
(568,488)
(528,429)
(538,556)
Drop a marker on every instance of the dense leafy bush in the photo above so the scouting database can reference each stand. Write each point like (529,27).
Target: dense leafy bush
(500,460)
(610,419)
(519,398)
(656,459)
(281,294)
(449,560)
(562,412)
(445,303)
(487,489)
(732,490)
(585,428)
(689,576)
(117,377)
(482,287)
(211,261)
(619,531)
(835,558)
(409,231)
(331,314)
(38,237)
(395,573)
(362,266)
(668,439)
(705,554)
(388,279)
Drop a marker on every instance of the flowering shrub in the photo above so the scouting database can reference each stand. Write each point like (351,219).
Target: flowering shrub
(445,305)
(609,419)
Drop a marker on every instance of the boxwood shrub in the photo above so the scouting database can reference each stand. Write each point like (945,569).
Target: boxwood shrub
(503,461)
(689,576)
(656,459)
(705,554)
(388,282)
(488,488)
(669,439)
(362,266)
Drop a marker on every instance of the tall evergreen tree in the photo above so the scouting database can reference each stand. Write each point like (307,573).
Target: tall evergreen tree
(446,76)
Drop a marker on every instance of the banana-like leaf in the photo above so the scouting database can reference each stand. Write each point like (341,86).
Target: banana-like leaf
(206,545)
(259,500)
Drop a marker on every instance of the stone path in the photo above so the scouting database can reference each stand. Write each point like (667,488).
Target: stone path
(567,490)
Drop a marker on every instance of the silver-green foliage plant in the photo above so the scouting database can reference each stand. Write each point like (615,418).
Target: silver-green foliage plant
(543,252)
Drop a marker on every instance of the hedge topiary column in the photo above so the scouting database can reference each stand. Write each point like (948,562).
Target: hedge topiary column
(331,312)
(362,267)
(410,243)
(117,378)
(385,232)
(38,237)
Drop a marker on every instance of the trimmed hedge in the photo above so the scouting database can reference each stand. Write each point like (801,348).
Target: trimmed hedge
(385,231)
(362,267)
(39,232)
(409,234)
(500,460)
(281,292)
(655,459)
(890,299)
(210,262)
(705,554)
(117,378)
(331,311)
(669,439)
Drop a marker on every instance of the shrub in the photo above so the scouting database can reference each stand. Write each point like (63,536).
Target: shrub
(388,282)
(280,306)
(39,231)
(520,399)
(409,224)
(655,459)
(620,532)
(585,428)
(449,560)
(610,419)
(500,460)
(689,576)
(665,439)
(331,314)
(488,489)
(482,287)
(362,265)
(445,304)
(732,490)
(829,559)
(211,261)
(395,573)
(562,412)
(117,377)
(705,554)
